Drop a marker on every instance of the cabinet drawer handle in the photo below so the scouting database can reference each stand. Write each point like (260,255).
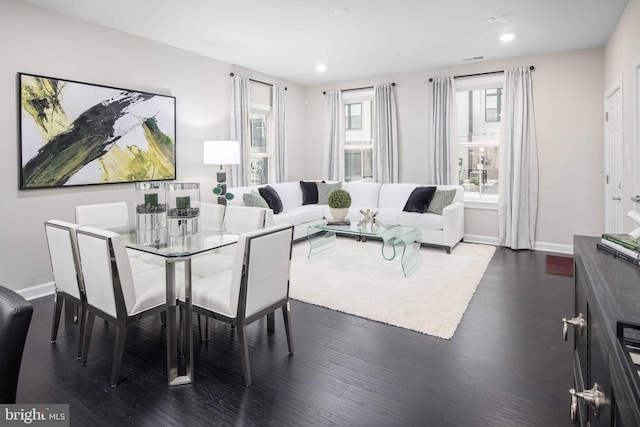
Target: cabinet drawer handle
(594,398)
(577,322)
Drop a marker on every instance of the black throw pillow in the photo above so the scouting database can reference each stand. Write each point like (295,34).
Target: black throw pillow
(270,195)
(309,192)
(419,199)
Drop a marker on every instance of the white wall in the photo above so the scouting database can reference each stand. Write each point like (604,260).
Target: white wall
(568,92)
(39,41)
(622,58)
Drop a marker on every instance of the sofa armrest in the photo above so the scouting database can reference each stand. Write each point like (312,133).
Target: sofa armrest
(453,223)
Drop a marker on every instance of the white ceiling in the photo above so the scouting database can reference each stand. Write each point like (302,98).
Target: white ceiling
(288,38)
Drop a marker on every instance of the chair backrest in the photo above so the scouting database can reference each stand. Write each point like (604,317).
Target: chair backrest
(240,219)
(108,282)
(63,251)
(111,216)
(265,255)
(15,318)
(211,216)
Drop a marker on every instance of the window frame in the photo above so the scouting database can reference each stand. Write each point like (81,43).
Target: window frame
(348,116)
(360,96)
(266,111)
(498,107)
(474,199)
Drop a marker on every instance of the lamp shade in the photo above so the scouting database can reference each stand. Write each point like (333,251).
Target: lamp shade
(221,153)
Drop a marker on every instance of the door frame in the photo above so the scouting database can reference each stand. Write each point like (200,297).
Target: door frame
(614,225)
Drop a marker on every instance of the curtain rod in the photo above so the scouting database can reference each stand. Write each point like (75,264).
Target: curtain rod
(257,81)
(532,68)
(356,88)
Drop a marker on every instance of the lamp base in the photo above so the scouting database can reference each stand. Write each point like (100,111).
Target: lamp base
(221,176)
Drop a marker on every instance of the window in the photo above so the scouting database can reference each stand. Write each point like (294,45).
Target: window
(353,116)
(492,104)
(259,162)
(358,139)
(479,109)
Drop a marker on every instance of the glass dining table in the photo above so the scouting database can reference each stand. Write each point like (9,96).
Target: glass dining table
(174,250)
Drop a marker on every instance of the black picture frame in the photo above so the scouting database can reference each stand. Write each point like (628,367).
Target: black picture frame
(74,133)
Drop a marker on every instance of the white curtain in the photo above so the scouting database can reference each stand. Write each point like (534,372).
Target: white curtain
(443,139)
(518,185)
(240,128)
(332,155)
(280,134)
(385,134)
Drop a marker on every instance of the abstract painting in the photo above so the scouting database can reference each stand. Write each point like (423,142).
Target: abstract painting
(74,133)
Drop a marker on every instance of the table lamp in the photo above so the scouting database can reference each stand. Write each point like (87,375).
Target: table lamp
(221,153)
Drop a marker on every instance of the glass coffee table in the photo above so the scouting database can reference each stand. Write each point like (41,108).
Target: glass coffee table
(396,241)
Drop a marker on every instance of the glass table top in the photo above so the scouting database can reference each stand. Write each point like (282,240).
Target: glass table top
(178,246)
(368,230)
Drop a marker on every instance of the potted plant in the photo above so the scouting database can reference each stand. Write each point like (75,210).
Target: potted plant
(339,202)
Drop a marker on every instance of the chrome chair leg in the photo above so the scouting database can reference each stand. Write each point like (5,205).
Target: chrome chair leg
(286,314)
(121,337)
(271,322)
(244,354)
(57,313)
(86,342)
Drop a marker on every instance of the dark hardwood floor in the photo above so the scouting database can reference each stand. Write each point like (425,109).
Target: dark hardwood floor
(505,366)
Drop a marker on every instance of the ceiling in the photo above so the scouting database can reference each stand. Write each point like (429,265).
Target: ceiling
(289,38)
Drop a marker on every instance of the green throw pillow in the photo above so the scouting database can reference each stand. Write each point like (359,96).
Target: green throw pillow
(441,200)
(325,189)
(254,200)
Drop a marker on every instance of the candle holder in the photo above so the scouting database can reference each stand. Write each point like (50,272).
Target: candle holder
(183,213)
(151,213)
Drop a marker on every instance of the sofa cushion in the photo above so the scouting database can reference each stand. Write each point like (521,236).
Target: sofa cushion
(324,189)
(419,199)
(254,199)
(363,193)
(427,221)
(309,192)
(441,200)
(394,196)
(290,194)
(269,194)
(289,217)
(388,216)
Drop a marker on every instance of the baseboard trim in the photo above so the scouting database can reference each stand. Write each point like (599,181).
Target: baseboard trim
(553,247)
(38,291)
(485,240)
(537,246)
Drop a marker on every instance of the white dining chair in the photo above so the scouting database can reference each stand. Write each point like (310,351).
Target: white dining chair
(110,216)
(240,219)
(256,285)
(67,276)
(235,220)
(114,217)
(211,216)
(113,291)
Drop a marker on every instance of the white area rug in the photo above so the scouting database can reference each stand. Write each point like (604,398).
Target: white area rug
(352,277)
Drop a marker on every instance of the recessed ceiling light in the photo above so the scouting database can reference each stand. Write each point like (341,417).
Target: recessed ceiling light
(320,68)
(340,11)
(507,37)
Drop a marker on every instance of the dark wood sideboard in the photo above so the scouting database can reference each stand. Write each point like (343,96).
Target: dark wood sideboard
(606,330)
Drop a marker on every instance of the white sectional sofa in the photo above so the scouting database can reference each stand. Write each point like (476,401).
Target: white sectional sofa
(387,199)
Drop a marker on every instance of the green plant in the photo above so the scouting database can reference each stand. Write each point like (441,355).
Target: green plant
(339,199)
